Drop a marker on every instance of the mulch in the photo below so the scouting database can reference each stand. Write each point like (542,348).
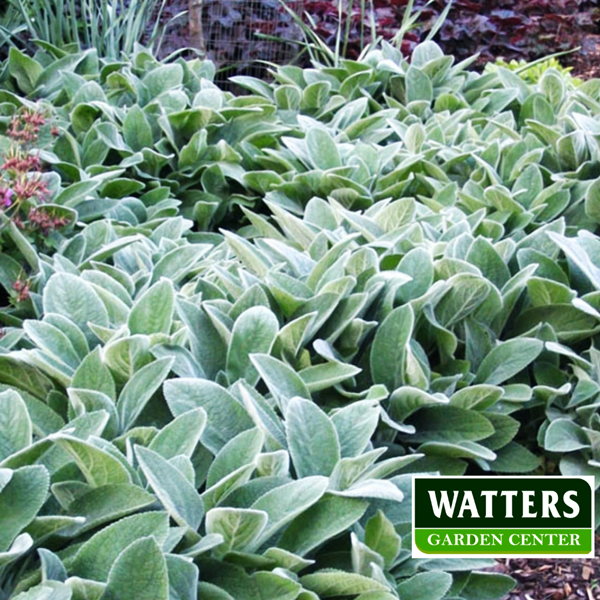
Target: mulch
(586,62)
(557,579)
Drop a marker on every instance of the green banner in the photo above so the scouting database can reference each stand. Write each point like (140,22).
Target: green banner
(531,502)
(504,541)
(502,516)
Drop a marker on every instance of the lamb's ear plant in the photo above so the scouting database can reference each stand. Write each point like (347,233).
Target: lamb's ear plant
(157,444)
(272,310)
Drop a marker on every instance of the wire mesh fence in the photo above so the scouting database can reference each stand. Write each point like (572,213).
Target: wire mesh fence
(241,35)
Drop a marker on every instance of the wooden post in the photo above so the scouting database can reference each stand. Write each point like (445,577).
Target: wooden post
(195,15)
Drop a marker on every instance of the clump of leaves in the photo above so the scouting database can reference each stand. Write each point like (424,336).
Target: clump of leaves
(110,27)
(259,472)
(273,309)
(11,25)
(533,72)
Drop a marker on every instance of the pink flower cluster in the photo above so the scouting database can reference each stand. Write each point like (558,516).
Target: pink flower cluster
(40,218)
(6,196)
(22,189)
(25,126)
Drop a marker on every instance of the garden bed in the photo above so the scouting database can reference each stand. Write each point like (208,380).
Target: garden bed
(235,326)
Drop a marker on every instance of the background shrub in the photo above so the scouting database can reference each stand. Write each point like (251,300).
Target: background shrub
(513,29)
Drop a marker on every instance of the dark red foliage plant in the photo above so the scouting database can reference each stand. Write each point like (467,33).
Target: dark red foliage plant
(521,29)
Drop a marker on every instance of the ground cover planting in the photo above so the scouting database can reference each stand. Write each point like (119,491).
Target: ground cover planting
(233,327)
